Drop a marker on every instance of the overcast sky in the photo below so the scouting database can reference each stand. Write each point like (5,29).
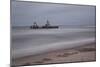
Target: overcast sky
(25,13)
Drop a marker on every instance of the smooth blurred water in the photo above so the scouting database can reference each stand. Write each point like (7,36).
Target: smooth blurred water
(27,41)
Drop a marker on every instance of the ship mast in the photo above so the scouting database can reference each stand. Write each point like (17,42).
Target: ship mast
(48,23)
(35,23)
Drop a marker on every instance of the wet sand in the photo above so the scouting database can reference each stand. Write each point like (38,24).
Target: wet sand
(83,53)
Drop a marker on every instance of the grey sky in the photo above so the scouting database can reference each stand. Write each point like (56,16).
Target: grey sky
(25,13)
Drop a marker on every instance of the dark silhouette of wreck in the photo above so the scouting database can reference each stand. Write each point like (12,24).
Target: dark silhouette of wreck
(46,26)
(34,26)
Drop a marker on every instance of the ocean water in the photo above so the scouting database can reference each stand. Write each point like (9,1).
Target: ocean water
(25,41)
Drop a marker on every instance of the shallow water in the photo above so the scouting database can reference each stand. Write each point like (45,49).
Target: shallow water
(34,41)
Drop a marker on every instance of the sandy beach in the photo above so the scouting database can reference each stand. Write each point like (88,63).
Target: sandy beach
(83,53)
(49,46)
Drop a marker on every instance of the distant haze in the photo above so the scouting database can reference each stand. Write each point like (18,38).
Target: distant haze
(25,13)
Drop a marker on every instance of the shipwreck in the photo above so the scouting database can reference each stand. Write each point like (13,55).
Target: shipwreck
(46,26)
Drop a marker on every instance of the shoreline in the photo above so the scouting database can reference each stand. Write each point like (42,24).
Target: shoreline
(82,53)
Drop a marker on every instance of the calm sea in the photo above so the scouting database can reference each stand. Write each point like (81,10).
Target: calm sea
(26,41)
